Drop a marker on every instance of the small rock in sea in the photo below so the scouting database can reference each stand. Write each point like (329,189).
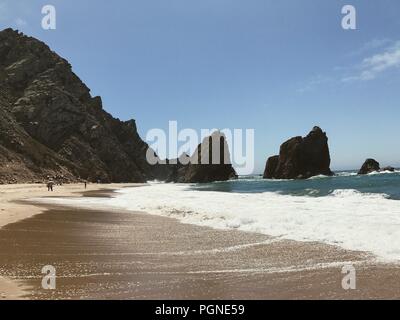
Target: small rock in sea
(370,165)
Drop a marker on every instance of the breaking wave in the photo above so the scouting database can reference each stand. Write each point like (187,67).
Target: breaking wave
(347,218)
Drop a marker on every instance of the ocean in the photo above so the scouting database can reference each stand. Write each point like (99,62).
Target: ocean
(386,184)
(360,213)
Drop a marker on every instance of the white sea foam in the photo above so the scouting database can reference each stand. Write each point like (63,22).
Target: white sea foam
(345,174)
(347,218)
(321,176)
(373,173)
(351,174)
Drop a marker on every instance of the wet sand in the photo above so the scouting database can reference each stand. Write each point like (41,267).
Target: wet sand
(14,209)
(123,255)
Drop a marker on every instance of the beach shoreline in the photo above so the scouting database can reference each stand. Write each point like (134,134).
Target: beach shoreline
(15,207)
(115,254)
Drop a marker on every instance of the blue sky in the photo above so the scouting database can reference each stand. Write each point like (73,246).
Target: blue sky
(279,67)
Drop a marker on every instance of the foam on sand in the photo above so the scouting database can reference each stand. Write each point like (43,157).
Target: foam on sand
(346,218)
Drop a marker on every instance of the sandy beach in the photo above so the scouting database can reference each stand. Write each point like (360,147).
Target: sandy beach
(124,255)
(13,209)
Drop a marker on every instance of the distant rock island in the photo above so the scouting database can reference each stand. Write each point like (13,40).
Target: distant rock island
(371,165)
(50,126)
(301,158)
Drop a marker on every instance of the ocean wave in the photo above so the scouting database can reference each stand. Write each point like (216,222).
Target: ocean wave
(311,192)
(374,173)
(346,218)
(345,174)
(348,193)
(321,176)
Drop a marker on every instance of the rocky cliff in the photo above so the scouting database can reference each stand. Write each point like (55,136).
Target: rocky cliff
(210,162)
(301,158)
(50,125)
(270,168)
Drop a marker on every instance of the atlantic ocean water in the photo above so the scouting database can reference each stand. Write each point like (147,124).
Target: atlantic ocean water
(360,213)
(384,183)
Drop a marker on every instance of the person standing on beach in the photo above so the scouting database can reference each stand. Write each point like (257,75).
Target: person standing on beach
(50,186)
(85,184)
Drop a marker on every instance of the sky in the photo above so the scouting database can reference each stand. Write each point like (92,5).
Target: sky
(278,67)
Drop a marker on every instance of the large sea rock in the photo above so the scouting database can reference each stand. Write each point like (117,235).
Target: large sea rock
(301,158)
(210,162)
(50,125)
(176,167)
(370,165)
(270,168)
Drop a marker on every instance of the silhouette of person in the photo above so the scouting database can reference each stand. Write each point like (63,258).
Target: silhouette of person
(50,186)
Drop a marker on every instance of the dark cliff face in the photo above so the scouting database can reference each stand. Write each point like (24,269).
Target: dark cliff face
(301,158)
(270,168)
(50,124)
(210,162)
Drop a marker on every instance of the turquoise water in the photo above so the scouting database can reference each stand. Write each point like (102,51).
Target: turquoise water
(380,183)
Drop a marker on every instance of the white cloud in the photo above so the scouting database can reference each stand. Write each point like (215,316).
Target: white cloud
(313,83)
(371,45)
(372,66)
(368,69)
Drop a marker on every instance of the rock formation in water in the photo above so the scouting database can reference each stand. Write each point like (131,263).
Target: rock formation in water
(50,125)
(370,165)
(176,167)
(301,158)
(389,169)
(210,162)
(270,168)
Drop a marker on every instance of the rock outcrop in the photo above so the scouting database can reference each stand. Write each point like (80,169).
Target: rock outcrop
(177,167)
(389,169)
(209,163)
(270,168)
(370,165)
(50,125)
(301,158)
